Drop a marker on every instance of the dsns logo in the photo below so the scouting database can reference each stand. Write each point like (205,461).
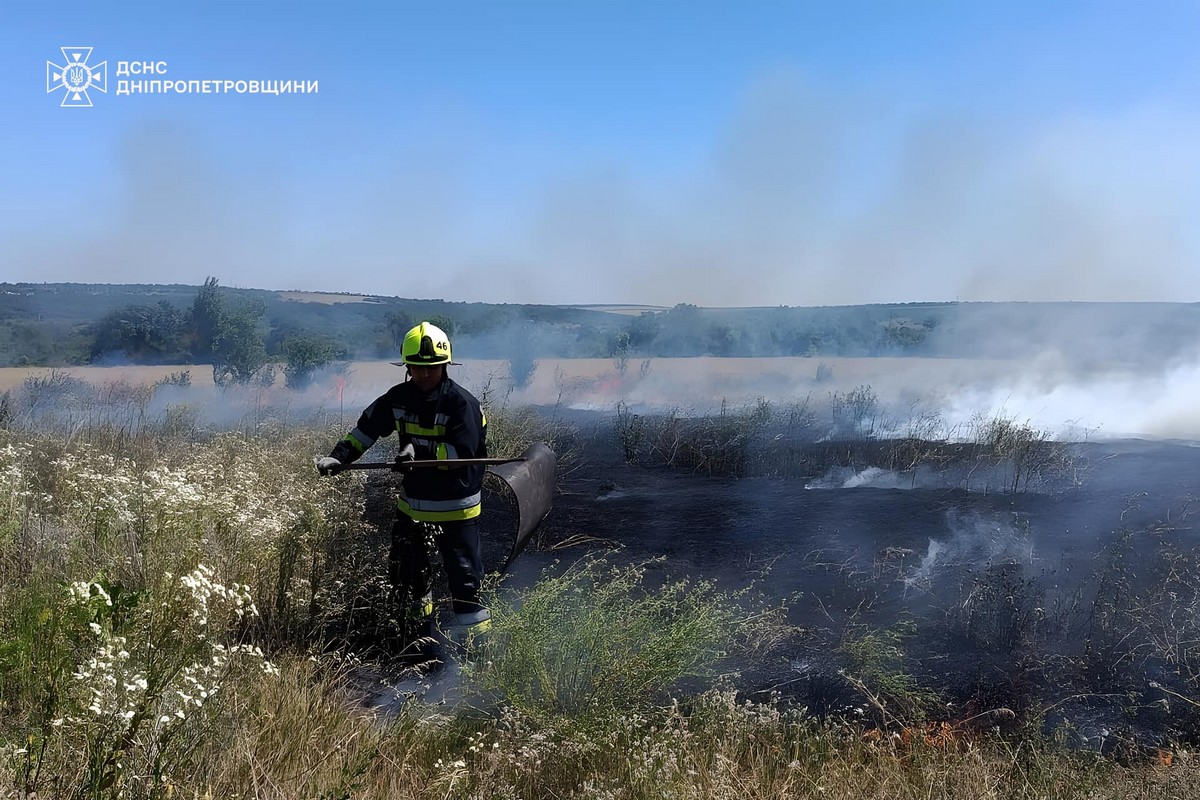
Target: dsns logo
(76,76)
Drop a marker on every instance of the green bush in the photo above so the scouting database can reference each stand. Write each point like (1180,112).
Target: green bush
(597,640)
(877,667)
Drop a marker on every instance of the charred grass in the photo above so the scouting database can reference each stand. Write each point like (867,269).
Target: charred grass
(992,452)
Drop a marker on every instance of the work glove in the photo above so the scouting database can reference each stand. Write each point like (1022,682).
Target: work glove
(329,465)
(406,454)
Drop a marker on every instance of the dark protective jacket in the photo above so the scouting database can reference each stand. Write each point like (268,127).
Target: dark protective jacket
(445,424)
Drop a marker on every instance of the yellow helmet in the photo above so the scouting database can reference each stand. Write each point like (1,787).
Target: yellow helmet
(425,345)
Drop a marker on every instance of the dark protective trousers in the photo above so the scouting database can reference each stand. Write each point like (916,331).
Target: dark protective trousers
(412,575)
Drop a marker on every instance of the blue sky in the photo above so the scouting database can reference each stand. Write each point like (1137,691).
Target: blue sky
(613,152)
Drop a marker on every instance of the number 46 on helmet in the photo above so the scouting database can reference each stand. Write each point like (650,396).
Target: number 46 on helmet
(425,345)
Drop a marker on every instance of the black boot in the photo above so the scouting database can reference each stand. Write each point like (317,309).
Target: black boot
(422,648)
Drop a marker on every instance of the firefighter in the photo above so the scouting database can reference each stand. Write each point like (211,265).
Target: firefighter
(434,418)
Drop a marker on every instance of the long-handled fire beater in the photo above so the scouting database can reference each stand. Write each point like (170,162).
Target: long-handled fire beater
(529,476)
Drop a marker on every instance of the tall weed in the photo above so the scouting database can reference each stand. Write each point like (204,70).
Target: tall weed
(598,640)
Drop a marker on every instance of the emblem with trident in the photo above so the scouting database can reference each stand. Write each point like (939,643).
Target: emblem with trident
(76,77)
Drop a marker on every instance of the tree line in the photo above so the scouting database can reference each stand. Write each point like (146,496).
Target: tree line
(219,329)
(247,333)
(244,334)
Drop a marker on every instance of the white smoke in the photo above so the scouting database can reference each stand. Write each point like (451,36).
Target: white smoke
(976,541)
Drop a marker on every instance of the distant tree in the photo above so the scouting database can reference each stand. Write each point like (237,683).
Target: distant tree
(722,340)
(206,320)
(484,320)
(25,344)
(228,335)
(304,355)
(240,352)
(903,333)
(643,330)
(139,333)
(683,332)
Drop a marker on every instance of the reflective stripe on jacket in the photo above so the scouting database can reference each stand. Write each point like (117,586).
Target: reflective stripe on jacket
(445,425)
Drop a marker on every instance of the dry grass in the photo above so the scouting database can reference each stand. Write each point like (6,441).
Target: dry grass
(89,689)
(631,311)
(699,378)
(325,298)
(300,734)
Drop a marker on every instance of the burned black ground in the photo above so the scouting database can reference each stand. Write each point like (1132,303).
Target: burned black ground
(1071,602)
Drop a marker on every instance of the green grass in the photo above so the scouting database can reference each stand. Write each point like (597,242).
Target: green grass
(595,641)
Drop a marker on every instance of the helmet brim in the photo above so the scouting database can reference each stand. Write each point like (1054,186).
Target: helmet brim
(443,364)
